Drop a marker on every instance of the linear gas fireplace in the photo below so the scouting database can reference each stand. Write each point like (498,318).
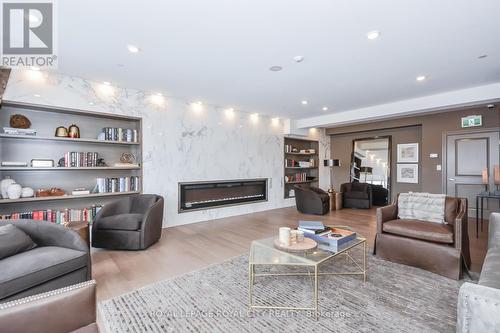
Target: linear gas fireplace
(212,194)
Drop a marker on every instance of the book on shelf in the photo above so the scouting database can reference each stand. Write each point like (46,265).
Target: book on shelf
(14,164)
(80,159)
(118,134)
(298,177)
(126,165)
(58,216)
(118,184)
(19,131)
(80,191)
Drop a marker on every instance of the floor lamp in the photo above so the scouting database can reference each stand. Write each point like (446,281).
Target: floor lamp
(331,163)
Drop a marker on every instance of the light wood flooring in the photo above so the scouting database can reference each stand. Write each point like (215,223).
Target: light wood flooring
(186,248)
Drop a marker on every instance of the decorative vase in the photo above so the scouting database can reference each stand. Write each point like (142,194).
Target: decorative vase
(4,185)
(27,192)
(14,191)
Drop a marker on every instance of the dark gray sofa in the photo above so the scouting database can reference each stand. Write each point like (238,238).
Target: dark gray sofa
(478,308)
(61,259)
(130,223)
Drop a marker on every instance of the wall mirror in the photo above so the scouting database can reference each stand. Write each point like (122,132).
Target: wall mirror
(371,163)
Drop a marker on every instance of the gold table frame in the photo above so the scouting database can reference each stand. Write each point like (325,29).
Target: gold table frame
(324,256)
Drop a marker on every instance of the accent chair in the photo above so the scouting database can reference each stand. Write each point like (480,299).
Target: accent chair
(311,200)
(130,223)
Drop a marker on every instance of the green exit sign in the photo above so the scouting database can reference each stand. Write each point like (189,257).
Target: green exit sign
(472,121)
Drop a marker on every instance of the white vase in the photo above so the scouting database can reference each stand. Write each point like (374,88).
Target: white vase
(4,185)
(14,191)
(27,192)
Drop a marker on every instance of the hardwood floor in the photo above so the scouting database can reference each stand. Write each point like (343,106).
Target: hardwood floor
(186,248)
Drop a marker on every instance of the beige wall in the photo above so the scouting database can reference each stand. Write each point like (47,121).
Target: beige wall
(426,129)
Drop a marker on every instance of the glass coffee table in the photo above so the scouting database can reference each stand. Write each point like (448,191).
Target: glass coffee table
(263,253)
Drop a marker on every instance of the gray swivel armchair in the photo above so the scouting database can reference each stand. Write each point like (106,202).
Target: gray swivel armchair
(129,223)
(61,258)
(311,200)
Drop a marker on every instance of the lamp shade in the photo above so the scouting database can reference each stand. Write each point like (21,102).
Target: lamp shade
(366,169)
(331,163)
(485,176)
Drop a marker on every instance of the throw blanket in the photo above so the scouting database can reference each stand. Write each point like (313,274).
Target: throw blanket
(421,206)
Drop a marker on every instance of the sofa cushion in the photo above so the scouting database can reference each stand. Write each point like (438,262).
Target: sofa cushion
(120,222)
(490,274)
(357,195)
(13,241)
(429,231)
(31,268)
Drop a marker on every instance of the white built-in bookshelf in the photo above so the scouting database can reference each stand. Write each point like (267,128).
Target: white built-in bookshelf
(45,145)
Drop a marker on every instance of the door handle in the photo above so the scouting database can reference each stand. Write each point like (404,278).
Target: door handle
(451,179)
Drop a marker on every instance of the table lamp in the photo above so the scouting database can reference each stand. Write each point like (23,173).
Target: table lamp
(496,178)
(484,176)
(331,163)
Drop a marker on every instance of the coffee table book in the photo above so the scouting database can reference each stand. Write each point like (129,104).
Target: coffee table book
(334,240)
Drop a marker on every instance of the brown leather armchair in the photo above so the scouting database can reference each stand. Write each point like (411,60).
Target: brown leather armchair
(69,309)
(440,248)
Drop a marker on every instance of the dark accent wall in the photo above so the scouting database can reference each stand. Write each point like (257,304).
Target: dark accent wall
(426,129)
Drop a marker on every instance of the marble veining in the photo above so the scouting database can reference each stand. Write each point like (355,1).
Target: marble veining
(180,145)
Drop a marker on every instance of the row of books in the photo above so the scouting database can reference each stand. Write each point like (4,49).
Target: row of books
(290,163)
(298,177)
(119,184)
(57,216)
(118,134)
(80,159)
(19,131)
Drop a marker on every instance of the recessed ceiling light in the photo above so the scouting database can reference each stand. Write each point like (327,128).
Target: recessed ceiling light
(133,48)
(482,56)
(158,94)
(91,103)
(373,35)
(421,78)
(35,68)
(324,108)
(275,68)
(36,95)
(106,83)
(298,58)
(229,112)
(304,102)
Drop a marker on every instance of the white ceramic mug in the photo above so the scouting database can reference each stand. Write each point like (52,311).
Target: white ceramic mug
(284,236)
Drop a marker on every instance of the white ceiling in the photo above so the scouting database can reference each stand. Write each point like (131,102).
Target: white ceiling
(220,51)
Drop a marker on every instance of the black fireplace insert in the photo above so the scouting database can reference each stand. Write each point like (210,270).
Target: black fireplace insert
(212,194)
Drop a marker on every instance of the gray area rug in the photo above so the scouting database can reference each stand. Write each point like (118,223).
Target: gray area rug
(395,298)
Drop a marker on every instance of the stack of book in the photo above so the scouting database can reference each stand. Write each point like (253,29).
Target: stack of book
(118,134)
(19,131)
(57,216)
(121,184)
(80,159)
(328,239)
(291,163)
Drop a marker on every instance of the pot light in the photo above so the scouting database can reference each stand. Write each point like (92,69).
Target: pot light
(275,121)
(106,83)
(254,117)
(304,102)
(35,68)
(324,108)
(133,48)
(37,95)
(275,68)
(197,106)
(421,78)
(229,112)
(373,35)
(298,58)
(35,74)
(157,99)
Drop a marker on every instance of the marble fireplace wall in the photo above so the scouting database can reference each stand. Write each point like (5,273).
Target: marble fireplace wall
(179,145)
